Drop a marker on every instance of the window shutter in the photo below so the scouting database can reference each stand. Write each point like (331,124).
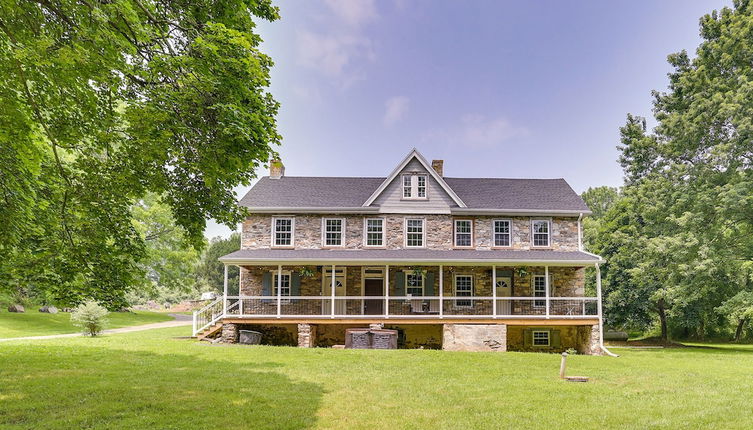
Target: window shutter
(554,336)
(429,284)
(399,283)
(266,285)
(295,285)
(527,338)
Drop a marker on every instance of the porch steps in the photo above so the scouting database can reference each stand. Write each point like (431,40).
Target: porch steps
(209,331)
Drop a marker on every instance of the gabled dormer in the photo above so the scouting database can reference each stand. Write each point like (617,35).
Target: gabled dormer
(414,186)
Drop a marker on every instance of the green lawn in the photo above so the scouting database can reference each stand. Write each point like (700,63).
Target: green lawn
(34,323)
(153,380)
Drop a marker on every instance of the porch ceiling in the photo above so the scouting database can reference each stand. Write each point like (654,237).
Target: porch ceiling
(403,256)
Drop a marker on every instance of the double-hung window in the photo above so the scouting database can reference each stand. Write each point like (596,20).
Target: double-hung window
(541,338)
(502,229)
(332,231)
(539,290)
(414,186)
(283,230)
(284,285)
(463,233)
(414,232)
(374,231)
(463,288)
(414,284)
(540,231)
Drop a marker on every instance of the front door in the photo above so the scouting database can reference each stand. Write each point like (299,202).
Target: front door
(340,305)
(373,287)
(504,289)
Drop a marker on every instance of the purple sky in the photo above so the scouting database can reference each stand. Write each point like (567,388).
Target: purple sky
(495,88)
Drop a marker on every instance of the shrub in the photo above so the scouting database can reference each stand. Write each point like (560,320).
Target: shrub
(571,351)
(90,317)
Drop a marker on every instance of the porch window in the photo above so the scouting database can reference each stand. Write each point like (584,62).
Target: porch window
(541,338)
(540,231)
(414,233)
(463,288)
(284,284)
(502,232)
(374,232)
(282,231)
(333,231)
(463,233)
(414,284)
(414,186)
(539,290)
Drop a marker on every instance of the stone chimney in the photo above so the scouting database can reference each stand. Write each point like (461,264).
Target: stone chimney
(438,166)
(276,168)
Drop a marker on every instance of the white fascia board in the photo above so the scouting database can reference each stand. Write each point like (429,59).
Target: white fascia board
(466,262)
(414,153)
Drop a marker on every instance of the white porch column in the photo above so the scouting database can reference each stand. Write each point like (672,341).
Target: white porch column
(279,290)
(546,286)
(598,303)
(224,293)
(494,291)
(333,292)
(441,291)
(387,291)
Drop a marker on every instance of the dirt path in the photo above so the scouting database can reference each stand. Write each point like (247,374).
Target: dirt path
(179,321)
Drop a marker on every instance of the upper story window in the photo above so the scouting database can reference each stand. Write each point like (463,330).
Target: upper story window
(332,231)
(414,232)
(540,232)
(414,186)
(463,233)
(283,231)
(502,229)
(374,231)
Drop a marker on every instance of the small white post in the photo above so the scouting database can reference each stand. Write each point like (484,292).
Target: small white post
(387,291)
(441,291)
(193,324)
(224,297)
(279,290)
(494,291)
(332,315)
(546,286)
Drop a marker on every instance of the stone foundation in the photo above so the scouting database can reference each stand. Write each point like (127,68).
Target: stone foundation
(229,333)
(474,337)
(593,342)
(306,335)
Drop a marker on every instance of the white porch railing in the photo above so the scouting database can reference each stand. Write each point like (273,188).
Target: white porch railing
(396,307)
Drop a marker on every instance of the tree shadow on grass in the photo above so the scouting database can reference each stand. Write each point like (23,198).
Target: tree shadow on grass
(93,387)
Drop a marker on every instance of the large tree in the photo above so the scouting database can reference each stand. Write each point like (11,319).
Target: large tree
(104,102)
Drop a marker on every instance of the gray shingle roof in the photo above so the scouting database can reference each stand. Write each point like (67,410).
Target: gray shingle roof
(351,192)
(414,255)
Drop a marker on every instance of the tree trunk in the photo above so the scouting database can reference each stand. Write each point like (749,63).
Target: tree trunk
(663,321)
(739,331)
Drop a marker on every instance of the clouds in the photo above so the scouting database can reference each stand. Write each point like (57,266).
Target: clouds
(479,131)
(353,12)
(395,109)
(331,55)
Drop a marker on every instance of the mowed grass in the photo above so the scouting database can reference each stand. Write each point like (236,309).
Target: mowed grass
(35,323)
(154,380)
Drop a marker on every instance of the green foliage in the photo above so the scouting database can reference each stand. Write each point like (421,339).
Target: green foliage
(90,317)
(211,272)
(600,200)
(102,103)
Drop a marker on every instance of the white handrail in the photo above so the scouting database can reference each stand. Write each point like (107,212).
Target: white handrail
(208,315)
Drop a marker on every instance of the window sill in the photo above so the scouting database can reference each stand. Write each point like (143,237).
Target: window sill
(282,247)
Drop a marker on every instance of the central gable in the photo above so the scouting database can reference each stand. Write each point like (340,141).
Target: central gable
(389,196)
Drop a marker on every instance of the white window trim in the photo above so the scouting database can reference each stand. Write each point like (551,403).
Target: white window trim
(494,233)
(423,232)
(548,234)
(533,291)
(455,290)
(292,232)
(290,285)
(324,232)
(366,232)
(423,282)
(414,186)
(548,338)
(455,232)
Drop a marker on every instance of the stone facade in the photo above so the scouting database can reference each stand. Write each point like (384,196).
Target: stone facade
(306,335)
(474,337)
(229,333)
(257,232)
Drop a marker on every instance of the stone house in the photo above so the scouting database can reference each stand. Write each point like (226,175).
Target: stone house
(453,263)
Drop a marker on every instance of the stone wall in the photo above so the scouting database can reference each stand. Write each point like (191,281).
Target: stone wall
(474,337)
(257,232)
(584,339)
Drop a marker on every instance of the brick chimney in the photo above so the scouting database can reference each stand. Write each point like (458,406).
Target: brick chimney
(276,168)
(438,166)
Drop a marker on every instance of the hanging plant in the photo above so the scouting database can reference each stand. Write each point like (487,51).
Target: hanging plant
(522,272)
(306,272)
(418,271)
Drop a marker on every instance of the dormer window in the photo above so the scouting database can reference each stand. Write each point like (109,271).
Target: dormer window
(414,186)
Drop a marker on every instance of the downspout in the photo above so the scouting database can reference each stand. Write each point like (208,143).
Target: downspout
(601,320)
